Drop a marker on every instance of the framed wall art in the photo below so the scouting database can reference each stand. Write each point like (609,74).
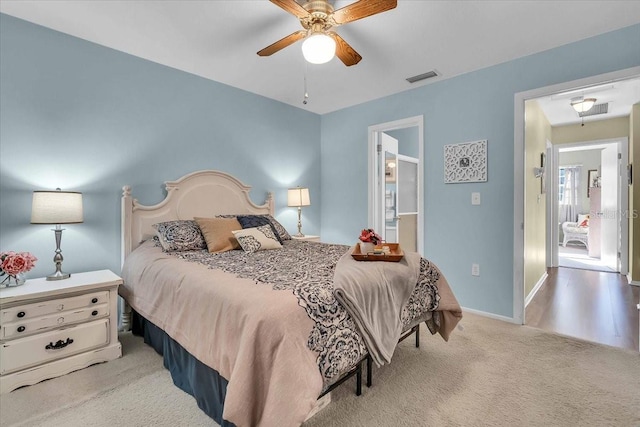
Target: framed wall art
(465,162)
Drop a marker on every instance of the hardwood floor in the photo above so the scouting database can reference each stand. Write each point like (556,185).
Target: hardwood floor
(591,305)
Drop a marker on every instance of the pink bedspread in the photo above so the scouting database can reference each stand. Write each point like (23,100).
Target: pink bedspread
(267,322)
(272,376)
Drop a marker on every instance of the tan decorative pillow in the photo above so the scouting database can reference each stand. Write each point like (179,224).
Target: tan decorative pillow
(218,234)
(257,238)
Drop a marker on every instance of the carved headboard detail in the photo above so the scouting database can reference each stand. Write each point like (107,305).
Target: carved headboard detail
(204,193)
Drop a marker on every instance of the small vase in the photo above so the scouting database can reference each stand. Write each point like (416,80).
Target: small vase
(366,247)
(12,281)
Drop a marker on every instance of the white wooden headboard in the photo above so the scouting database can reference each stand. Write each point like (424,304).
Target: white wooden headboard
(203,193)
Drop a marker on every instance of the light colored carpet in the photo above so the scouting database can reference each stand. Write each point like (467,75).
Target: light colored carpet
(491,373)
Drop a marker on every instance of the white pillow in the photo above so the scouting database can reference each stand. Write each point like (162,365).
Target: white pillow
(257,238)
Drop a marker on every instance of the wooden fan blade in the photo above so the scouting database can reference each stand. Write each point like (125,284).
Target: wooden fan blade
(282,43)
(344,51)
(362,9)
(292,7)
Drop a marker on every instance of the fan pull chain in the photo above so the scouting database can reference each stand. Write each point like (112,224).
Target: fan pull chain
(306,94)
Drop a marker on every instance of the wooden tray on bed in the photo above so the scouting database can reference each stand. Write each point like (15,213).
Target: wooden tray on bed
(395,255)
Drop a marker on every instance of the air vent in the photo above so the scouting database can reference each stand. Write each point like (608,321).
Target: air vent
(595,110)
(424,76)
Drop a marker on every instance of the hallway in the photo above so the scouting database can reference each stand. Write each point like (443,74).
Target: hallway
(590,305)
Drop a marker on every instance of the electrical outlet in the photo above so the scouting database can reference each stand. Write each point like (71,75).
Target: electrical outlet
(475,198)
(475,269)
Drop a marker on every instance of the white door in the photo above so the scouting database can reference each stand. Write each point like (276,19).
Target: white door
(401,191)
(389,232)
(409,136)
(388,189)
(609,232)
(407,202)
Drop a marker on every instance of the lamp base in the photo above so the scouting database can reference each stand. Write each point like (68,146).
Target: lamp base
(57,258)
(299,234)
(58,275)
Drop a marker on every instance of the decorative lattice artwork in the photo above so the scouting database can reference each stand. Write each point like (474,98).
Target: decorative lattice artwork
(466,162)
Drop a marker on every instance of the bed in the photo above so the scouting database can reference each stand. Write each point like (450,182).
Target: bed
(258,337)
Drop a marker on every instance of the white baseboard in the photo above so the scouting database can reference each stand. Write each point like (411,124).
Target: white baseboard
(490,315)
(535,289)
(632,282)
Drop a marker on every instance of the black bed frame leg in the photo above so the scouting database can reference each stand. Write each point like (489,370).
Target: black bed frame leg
(369,359)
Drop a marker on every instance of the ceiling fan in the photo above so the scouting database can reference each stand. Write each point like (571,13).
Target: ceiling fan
(318,17)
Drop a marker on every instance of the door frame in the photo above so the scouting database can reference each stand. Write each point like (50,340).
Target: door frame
(622,144)
(519,170)
(374,168)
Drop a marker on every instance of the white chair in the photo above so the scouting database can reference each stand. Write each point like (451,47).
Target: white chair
(573,232)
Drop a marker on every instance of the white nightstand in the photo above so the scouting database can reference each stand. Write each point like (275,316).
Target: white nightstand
(51,328)
(308,238)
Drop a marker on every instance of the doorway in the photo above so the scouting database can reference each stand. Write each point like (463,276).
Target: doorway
(586,222)
(589,189)
(396,182)
(521,169)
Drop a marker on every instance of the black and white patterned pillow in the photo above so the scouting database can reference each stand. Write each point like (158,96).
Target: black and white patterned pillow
(257,239)
(280,230)
(252,221)
(180,235)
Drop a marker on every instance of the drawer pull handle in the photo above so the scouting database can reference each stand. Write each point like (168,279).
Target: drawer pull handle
(21,328)
(94,313)
(60,307)
(94,300)
(58,345)
(21,314)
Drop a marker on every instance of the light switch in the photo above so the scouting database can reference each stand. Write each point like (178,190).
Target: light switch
(475,269)
(475,198)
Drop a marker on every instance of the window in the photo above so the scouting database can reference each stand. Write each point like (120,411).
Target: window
(561,182)
(569,192)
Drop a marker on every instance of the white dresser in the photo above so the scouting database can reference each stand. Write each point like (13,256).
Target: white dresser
(51,328)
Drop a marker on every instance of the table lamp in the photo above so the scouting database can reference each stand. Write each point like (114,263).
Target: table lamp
(298,197)
(57,207)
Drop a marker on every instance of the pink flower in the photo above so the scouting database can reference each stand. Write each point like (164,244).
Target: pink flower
(368,235)
(13,263)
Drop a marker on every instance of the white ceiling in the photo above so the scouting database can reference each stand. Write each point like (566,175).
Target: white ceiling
(619,95)
(219,39)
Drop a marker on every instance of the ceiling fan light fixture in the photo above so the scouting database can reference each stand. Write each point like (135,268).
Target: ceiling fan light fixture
(581,104)
(318,48)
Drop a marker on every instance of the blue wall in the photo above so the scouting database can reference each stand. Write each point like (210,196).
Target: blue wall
(473,106)
(83,117)
(408,144)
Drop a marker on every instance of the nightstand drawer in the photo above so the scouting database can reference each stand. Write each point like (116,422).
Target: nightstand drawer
(23,328)
(30,311)
(35,350)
